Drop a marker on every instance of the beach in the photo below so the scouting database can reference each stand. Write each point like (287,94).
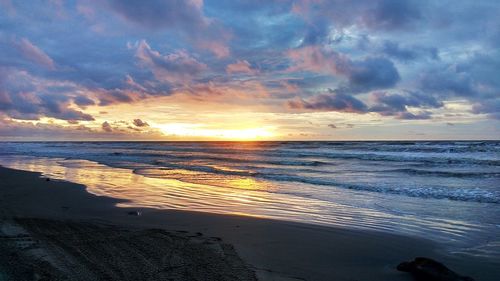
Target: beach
(270,249)
(250,140)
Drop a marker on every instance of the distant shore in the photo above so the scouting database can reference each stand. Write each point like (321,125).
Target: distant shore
(53,223)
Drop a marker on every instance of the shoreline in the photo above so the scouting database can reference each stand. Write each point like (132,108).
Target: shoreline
(275,250)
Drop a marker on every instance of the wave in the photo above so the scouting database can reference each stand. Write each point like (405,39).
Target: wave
(279,153)
(462,171)
(313,158)
(457,194)
(454,174)
(437,159)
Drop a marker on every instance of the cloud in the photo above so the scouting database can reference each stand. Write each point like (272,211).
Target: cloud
(157,14)
(492,108)
(320,60)
(28,130)
(140,123)
(176,68)
(83,101)
(329,102)
(411,116)
(106,127)
(406,54)
(8,6)
(401,59)
(362,75)
(33,53)
(240,66)
(185,16)
(115,96)
(385,104)
(341,126)
(60,109)
(373,73)
(391,14)
(397,104)
(449,82)
(234,92)
(24,97)
(369,14)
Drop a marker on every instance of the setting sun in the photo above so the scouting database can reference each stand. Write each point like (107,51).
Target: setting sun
(201,131)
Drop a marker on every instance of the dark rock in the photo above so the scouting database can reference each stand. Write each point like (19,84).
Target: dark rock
(47,179)
(425,269)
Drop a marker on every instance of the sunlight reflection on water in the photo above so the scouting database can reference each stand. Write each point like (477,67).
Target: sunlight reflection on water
(165,189)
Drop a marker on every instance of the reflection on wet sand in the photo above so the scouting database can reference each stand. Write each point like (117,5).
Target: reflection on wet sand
(246,196)
(205,192)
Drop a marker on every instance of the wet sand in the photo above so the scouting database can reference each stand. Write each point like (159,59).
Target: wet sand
(58,231)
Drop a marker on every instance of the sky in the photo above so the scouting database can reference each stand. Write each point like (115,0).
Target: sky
(249,70)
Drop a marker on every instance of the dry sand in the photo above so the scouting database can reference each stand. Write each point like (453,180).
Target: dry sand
(55,229)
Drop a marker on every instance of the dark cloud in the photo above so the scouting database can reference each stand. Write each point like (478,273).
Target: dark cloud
(329,102)
(385,104)
(31,107)
(397,104)
(391,14)
(411,116)
(15,130)
(33,53)
(403,53)
(157,14)
(83,101)
(21,98)
(341,126)
(491,108)
(177,67)
(176,15)
(106,127)
(473,78)
(316,33)
(117,96)
(371,14)
(372,73)
(24,130)
(449,82)
(362,75)
(140,123)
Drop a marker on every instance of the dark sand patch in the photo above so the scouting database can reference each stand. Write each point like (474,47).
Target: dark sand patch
(39,249)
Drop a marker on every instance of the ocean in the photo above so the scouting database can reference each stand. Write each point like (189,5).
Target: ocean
(448,191)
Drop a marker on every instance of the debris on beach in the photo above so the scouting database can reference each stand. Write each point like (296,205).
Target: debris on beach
(425,269)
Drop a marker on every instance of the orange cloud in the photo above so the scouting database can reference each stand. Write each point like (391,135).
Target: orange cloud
(240,66)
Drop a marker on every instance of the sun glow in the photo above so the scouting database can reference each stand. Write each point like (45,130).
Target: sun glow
(198,130)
